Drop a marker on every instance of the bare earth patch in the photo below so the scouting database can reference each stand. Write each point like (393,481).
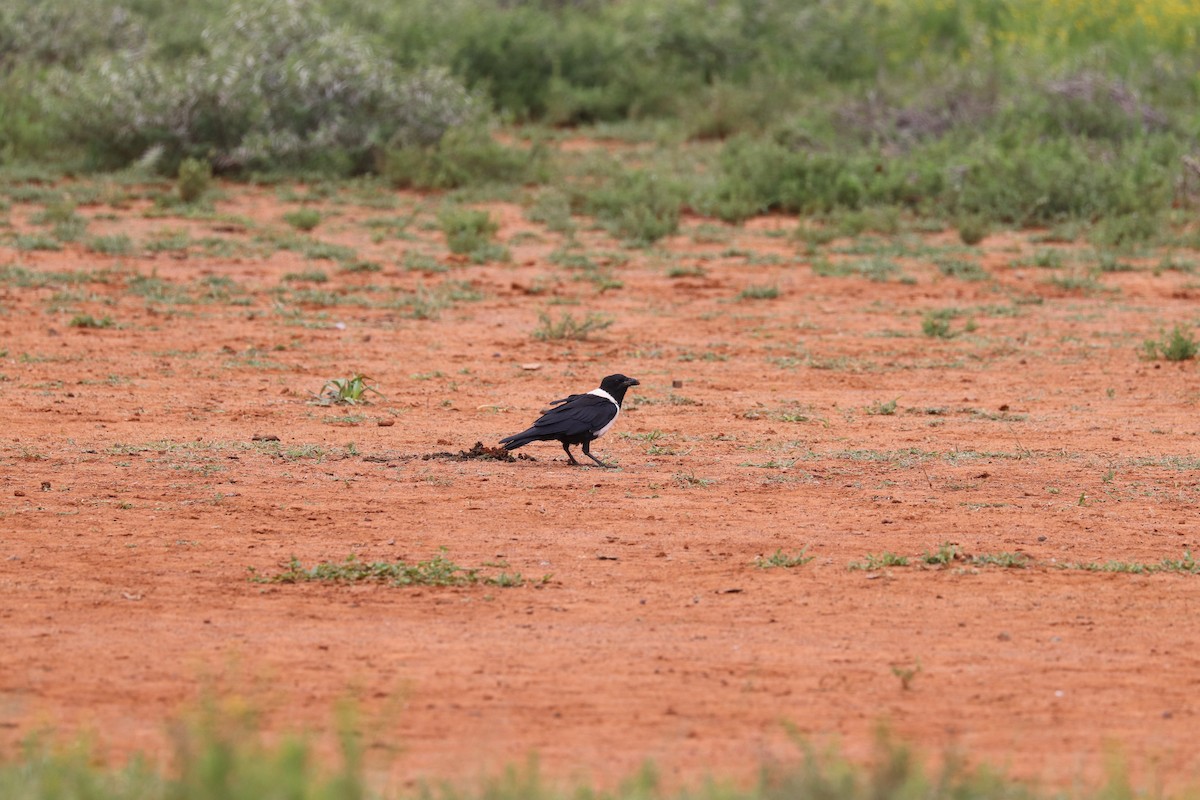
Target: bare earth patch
(140,481)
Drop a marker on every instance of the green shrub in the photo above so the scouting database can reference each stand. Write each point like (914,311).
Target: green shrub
(304,219)
(194,179)
(756,176)
(1178,345)
(639,206)
(569,328)
(116,245)
(467,230)
(88,321)
(1046,181)
(936,325)
(465,156)
(972,229)
(276,85)
(47,32)
(765,292)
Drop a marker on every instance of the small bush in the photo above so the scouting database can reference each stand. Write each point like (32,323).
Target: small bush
(88,321)
(569,328)
(961,269)
(466,156)
(1047,181)
(350,391)
(303,219)
(639,206)
(194,178)
(759,293)
(1178,345)
(936,325)
(552,208)
(972,230)
(274,85)
(467,230)
(115,245)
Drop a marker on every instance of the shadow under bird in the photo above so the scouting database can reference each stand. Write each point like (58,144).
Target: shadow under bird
(578,419)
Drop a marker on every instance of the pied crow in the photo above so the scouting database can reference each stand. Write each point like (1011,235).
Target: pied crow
(577,419)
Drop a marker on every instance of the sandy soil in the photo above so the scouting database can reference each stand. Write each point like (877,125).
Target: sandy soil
(136,490)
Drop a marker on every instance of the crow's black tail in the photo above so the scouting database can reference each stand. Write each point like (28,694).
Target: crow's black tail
(519,439)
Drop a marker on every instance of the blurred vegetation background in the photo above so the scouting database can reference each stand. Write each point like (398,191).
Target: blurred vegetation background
(1012,112)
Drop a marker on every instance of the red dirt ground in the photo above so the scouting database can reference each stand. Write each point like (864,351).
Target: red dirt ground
(134,497)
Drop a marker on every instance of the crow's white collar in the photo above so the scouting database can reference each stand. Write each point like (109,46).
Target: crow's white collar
(606,396)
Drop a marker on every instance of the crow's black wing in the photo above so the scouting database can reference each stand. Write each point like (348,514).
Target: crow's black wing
(567,399)
(575,416)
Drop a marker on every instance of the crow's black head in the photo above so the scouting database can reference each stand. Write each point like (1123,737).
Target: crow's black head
(617,384)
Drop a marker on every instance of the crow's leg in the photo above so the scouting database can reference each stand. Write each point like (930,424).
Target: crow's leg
(587,451)
(570,457)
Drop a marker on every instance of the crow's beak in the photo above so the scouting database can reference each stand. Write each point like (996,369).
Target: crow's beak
(632,382)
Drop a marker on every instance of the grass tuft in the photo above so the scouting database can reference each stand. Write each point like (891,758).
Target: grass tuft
(783,560)
(567,328)
(350,391)
(1178,345)
(436,571)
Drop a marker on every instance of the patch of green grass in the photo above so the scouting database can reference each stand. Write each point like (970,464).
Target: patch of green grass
(308,276)
(38,241)
(327,251)
(303,219)
(1110,262)
(88,321)
(1178,345)
(1186,565)
(156,290)
(655,444)
(115,245)
(1076,284)
(346,391)
(962,269)
(887,409)
(345,419)
(597,268)
(783,560)
(946,554)
(193,179)
(436,571)
(936,325)
(29,278)
(467,230)
(1048,258)
(414,261)
(1004,559)
(567,328)
(686,271)
(358,266)
(873,561)
(552,208)
(759,292)
(877,269)
(690,480)
(309,247)
(169,241)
